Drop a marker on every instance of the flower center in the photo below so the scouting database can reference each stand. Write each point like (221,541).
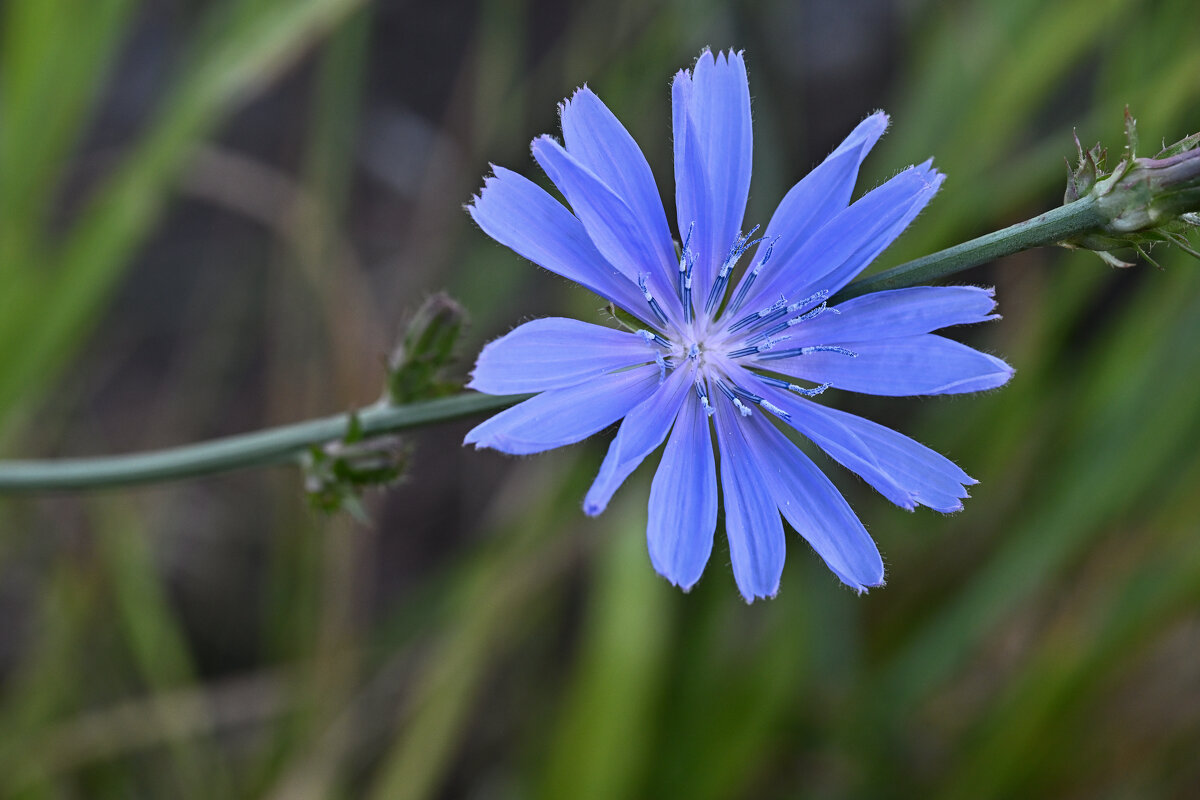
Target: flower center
(725,338)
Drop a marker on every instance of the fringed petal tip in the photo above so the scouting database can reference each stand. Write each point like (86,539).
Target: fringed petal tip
(472,437)
(860,589)
(931,177)
(685,585)
(874,126)
(881,115)
(1003,374)
(722,58)
(750,598)
(564,105)
(862,583)
(869,578)
(543,140)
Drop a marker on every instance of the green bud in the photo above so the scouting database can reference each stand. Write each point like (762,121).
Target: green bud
(414,368)
(336,473)
(1143,200)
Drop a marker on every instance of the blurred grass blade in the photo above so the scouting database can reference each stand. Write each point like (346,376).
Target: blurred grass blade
(602,740)
(54,59)
(47,315)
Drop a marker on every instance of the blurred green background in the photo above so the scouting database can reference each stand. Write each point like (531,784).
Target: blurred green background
(215,216)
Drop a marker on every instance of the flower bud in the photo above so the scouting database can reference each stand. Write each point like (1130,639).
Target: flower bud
(428,346)
(336,473)
(1143,200)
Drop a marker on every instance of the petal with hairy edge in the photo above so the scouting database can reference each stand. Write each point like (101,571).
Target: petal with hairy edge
(820,195)
(643,429)
(598,140)
(683,500)
(909,365)
(904,471)
(836,278)
(522,216)
(845,245)
(897,312)
(756,543)
(565,416)
(717,101)
(814,507)
(555,353)
(610,223)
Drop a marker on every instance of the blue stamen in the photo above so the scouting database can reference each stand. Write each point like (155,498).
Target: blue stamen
(662,366)
(702,393)
(762,316)
(776,410)
(649,337)
(805,317)
(804,351)
(815,297)
(791,387)
(689,313)
(654,306)
(753,398)
(748,281)
(746,394)
(718,288)
(685,259)
(768,344)
(742,408)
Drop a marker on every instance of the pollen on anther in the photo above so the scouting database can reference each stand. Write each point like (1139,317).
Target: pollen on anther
(662,366)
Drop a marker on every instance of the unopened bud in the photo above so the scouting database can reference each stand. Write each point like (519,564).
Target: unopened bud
(414,367)
(1143,200)
(336,473)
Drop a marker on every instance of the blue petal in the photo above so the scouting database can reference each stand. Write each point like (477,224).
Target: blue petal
(691,186)
(565,416)
(610,223)
(898,312)
(756,543)
(555,353)
(717,101)
(910,365)
(683,500)
(821,194)
(902,470)
(814,507)
(596,138)
(643,429)
(521,215)
(845,245)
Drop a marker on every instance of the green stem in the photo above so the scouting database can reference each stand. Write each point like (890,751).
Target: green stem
(287,443)
(1050,228)
(270,446)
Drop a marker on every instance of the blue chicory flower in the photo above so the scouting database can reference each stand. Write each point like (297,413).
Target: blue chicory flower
(714,350)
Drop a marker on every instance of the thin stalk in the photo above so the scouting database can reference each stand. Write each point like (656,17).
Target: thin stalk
(270,446)
(1050,228)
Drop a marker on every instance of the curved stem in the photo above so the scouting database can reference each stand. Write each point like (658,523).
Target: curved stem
(289,442)
(270,446)
(1050,228)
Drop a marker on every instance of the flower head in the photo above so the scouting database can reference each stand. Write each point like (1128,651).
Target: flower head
(736,333)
